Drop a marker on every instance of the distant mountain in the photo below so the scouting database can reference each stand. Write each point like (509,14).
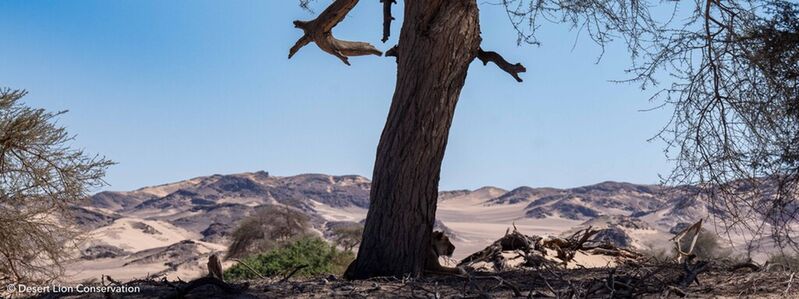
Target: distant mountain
(116,201)
(524,194)
(484,192)
(686,204)
(582,203)
(247,188)
(170,228)
(211,205)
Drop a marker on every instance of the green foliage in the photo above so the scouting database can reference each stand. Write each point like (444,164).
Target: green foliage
(310,252)
(268,228)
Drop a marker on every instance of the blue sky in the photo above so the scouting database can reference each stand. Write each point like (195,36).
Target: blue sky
(177,89)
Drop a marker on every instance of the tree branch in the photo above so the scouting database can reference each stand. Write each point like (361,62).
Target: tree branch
(319,31)
(387,18)
(393,52)
(512,69)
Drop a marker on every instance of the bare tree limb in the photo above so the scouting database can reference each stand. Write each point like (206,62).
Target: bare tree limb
(319,31)
(512,69)
(296,269)
(387,18)
(250,268)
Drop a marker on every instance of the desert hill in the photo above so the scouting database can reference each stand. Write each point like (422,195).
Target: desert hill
(170,229)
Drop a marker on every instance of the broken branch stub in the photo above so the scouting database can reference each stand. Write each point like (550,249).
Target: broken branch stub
(319,31)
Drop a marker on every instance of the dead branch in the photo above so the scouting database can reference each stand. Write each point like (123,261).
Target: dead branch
(745,265)
(584,236)
(692,271)
(298,268)
(534,250)
(393,52)
(319,31)
(250,268)
(510,242)
(502,282)
(387,18)
(512,69)
(204,281)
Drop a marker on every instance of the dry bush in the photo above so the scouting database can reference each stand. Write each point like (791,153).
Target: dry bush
(348,236)
(269,227)
(40,177)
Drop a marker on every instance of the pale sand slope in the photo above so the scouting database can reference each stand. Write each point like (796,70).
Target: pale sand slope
(476,225)
(124,233)
(118,269)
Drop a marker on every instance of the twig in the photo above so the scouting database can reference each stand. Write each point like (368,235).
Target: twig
(250,268)
(298,268)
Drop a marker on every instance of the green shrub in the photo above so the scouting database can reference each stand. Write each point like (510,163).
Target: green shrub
(269,227)
(312,252)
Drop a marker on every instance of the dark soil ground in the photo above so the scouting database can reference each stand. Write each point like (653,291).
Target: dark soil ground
(662,281)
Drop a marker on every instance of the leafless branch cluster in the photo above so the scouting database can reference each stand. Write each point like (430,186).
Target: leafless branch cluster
(40,177)
(348,236)
(731,68)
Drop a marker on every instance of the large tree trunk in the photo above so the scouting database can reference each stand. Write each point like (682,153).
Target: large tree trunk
(438,41)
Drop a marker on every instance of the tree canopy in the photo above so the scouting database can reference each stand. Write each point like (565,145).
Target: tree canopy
(41,176)
(731,71)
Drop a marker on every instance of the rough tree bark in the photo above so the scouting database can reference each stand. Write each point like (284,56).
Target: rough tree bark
(438,41)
